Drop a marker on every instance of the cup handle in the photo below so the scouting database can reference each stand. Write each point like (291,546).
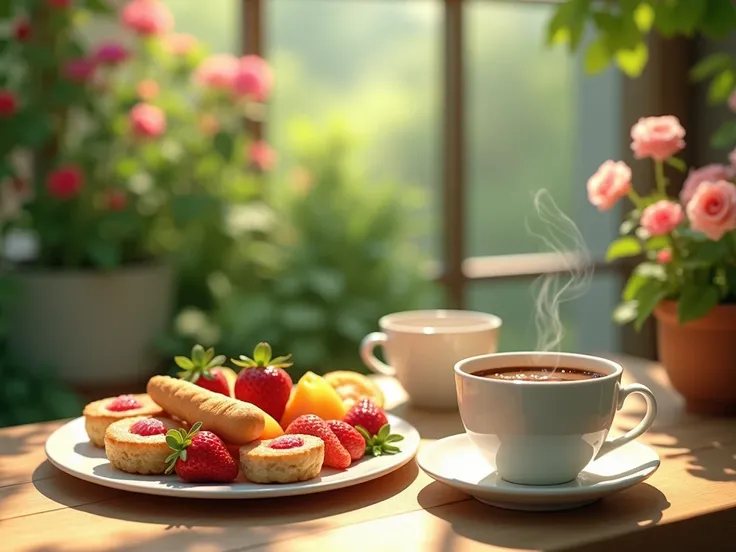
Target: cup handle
(640,428)
(369,343)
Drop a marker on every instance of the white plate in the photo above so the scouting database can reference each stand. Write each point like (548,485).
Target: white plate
(69,449)
(456,462)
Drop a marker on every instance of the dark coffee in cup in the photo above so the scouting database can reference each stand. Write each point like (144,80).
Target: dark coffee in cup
(538,374)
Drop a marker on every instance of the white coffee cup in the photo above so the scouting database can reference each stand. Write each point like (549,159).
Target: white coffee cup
(544,433)
(423,346)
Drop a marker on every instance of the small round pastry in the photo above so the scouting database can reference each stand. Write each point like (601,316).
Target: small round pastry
(100,414)
(138,445)
(285,459)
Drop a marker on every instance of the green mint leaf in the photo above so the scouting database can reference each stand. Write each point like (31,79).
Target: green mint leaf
(384,432)
(183,455)
(184,362)
(696,301)
(195,428)
(172,442)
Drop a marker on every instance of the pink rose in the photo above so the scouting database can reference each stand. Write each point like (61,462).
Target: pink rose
(147,120)
(253,78)
(610,182)
(147,17)
(712,210)
(662,217)
(262,155)
(180,44)
(217,71)
(732,101)
(111,53)
(80,69)
(664,256)
(657,137)
(709,173)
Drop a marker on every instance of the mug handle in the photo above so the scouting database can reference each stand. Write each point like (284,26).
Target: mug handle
(645,423)
(369,343)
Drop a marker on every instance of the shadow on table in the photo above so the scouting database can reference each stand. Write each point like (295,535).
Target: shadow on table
(673,435)
(211,521)
(638,507)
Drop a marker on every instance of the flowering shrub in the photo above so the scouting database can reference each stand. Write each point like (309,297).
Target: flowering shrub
(124,150)
(689,242)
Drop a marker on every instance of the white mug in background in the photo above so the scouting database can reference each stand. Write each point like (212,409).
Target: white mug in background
(422,347)
(544,433)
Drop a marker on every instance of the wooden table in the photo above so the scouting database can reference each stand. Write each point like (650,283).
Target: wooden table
(689,504)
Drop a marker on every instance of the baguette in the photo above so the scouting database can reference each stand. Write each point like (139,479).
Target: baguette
(235,422)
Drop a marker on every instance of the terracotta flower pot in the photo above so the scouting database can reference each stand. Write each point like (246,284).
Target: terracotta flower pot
(94,329)
(700,357)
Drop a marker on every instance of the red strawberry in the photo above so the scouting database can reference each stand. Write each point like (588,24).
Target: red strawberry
(204,370)
(336,455)
(349,437)
(123,403)
(234,451)
(200,456)
(148,427)
(366,414)
(263,381)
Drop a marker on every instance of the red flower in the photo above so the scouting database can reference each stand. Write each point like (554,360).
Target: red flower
(147,17)
(60,3)
(22,30)
(262,155)
(80,69)
(65,182)
(147,120)
(116,200)
(111,53)
(252,78)
(8,104)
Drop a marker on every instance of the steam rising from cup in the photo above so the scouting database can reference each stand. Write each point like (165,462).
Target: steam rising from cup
(572,280)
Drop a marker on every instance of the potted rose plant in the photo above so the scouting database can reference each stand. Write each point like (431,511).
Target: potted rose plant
(119,162)
(687,277)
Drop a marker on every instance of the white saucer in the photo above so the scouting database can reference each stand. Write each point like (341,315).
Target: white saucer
(456,462)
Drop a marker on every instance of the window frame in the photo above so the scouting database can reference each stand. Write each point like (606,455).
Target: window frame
(641,97)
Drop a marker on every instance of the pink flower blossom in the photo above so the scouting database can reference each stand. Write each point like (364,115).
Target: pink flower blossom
(262,155)
(217,71)
(610,182)
(712,210)
(8,104)
(709,173)
(147,89)
(111,53)
(180,44)
(80,69)
(253,78)
(664,256)
(657,137)
(147,17)
(662,217)
(147,120)
(65,182)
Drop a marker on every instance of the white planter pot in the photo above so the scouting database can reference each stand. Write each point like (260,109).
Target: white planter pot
(91,328)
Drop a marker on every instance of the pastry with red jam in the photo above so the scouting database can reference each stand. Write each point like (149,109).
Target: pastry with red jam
(285,459)
(100,414)
(138,444)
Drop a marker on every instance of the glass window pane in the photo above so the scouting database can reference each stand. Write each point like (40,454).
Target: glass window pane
(217,25)
(370,67)
(534,120)
(587,320)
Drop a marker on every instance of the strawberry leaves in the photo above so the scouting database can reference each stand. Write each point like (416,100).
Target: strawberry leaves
(199,365)
(262,358)
(178,441)
(380,443)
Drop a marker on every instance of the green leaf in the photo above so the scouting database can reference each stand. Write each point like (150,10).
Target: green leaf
(730,275)
(625,312)
(568,23)
(627,246)
(262,353)
(184,362)
(104,254)
(364,432)
(678,16)
(188,209)
(633,61)
(710,252)
(198,355)
(635,283)
(99,6)
(725,136)
(209,355)
(224,144)
(710,65)
(718,19)
(721,87)
(648,297)
(644,17)
(696,301)
(195,428)
(395,438)
(183,455)
(172,442)
(217,361)
(597,57)
(656,243)
(676,163)
(384,432)
(183,435)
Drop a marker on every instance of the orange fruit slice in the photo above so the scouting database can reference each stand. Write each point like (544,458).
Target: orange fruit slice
(352,386)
